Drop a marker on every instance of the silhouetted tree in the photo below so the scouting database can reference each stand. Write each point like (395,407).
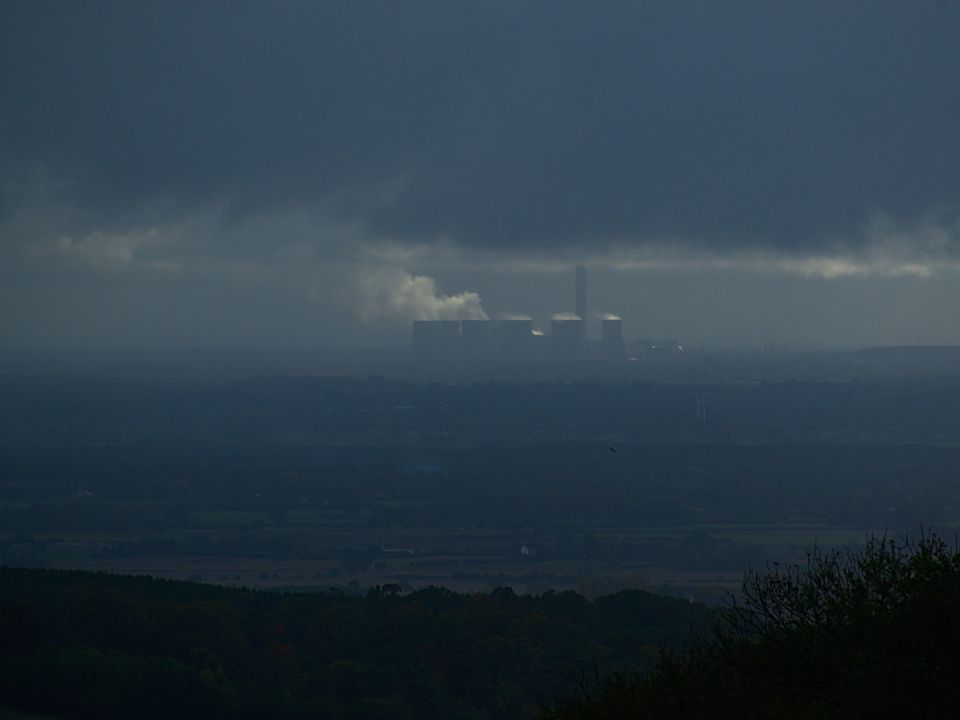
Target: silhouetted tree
(869,633)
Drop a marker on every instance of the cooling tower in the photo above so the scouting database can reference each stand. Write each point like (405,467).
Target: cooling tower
(426,341)
(567,338)
(611,338)
(449,339)
(476,340)
(514,339)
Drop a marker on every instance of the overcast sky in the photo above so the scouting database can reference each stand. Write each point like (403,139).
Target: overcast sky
(298,174)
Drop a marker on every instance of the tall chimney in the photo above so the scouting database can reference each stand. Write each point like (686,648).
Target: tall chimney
(582,292)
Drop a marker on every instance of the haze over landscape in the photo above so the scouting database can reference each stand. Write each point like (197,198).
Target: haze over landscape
(479,359)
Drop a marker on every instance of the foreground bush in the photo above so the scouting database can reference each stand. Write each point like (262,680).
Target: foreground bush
(871,634)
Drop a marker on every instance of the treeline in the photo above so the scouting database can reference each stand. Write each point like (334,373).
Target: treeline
(87,645)
(872,634)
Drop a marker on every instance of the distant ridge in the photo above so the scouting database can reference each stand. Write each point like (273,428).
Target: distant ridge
(912,350)
(907,360)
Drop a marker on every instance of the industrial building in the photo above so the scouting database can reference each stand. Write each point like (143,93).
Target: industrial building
(476,340)
(473,341)
(516,341)
(449,338)
(611,339)
(426,338)
(568,338)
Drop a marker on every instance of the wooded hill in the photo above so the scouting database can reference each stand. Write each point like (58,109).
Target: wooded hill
(84,645)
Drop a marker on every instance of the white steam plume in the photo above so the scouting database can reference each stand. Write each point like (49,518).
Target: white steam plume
(398,294)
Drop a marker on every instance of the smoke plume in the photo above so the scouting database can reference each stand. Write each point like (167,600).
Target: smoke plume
(397,294)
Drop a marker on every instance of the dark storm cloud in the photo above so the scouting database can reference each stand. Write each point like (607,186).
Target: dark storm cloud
(726,124)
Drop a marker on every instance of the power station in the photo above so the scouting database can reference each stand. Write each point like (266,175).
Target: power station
(611,338)
(515,339)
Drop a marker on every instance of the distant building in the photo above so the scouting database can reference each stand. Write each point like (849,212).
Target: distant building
(449,339)
(514,340)
(476,340)
(567,338)
(611,338)
(426,341)
(436,340)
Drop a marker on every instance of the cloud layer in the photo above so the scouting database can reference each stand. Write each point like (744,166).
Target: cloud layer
(501,124)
